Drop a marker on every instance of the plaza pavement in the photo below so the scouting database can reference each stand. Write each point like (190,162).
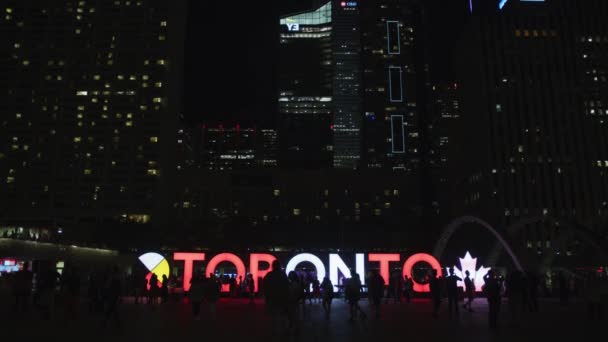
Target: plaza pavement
(239,321)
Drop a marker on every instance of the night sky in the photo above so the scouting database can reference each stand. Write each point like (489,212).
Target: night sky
(230,56)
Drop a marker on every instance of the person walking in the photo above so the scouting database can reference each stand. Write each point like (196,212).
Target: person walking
(452,291)
(251,288)
(153,290)
(375,290)
(212,295)
(111,298)
(469,288)
(352,293)
(327,292)
(196,295)
(514,290)
(276,293)
(435,287)
(296,293)
(164,290)
(408,286)
(492,289)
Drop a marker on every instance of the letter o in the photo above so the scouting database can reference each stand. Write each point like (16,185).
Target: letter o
(416,258)
(229,257)
(307,257)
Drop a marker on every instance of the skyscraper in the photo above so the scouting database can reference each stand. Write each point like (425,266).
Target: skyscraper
(346,85)
(534,77)
(394,81)
(89,111)
(306,102)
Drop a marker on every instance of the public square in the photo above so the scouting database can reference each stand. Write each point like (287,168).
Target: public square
(237,320)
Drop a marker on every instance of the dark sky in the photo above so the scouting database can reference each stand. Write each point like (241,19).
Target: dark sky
(230,49)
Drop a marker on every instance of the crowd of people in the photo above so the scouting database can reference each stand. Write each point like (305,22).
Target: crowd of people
(50,293)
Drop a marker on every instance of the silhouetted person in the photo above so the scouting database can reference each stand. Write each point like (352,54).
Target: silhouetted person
(408,287)
(375,291)
(141,288)
(532,283)
(46,284)
(276,292)
(435,287)
(316,289)
(352,291)
(492,290)
(296,293)
(469,289)
(111,298)
(72,292)
(452,291)
(95,287)
(563,288)
(251,288)
(164,289)
(196,295)
(593,295)
(396,286)
(22,288)
(212,295)
(327,293)
(153,290)
(514,288)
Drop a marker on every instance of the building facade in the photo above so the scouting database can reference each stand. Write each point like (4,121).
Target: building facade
(394,76)
(534,80)
(88,118)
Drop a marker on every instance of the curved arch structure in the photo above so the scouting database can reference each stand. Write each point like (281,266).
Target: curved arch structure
(451,228)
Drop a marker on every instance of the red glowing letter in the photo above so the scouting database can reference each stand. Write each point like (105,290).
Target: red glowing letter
(189,259)
(384,259)
(416,258)
(254,266)
(229,257)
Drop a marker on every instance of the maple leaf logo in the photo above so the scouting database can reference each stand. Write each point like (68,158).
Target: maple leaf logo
(468,263)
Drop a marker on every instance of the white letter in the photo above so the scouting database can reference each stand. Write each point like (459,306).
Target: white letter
(306,257)
(336,263)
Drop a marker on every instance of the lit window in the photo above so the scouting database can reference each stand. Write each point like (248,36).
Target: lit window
(152,172)
(296,212)
(88,172)
(82,93)
(153,139)
(276,192)
(77,139)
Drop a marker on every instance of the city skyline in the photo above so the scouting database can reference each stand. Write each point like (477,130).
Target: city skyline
(365,120)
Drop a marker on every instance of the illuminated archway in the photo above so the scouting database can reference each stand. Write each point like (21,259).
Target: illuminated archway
(451,228)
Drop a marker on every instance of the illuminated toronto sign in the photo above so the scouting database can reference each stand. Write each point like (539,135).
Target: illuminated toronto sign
(331,265)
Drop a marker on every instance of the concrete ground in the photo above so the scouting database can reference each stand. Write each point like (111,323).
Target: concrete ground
(239,321)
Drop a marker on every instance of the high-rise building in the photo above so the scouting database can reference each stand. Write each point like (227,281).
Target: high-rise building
(534,80)
(235,148)
(363,65)
(89,110)
(305,85)
(394,76)
(446,110)
(346,84)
